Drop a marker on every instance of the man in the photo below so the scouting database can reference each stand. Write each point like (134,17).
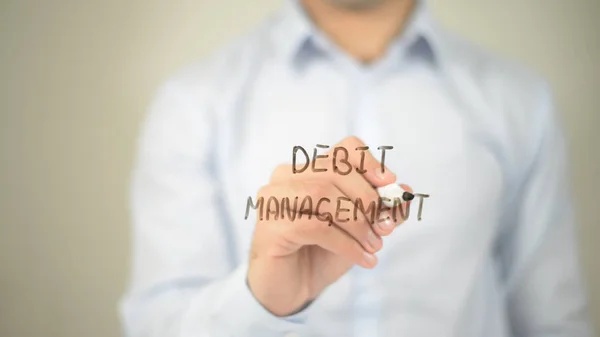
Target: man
(494,254)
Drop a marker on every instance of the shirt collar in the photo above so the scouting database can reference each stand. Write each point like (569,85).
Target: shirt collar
(296,35)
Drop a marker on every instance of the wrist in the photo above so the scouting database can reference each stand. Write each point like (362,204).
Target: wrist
(279,302)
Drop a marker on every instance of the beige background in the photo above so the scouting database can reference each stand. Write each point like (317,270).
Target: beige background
(76,76)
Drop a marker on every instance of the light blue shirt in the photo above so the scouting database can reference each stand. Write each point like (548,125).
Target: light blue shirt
(494,254)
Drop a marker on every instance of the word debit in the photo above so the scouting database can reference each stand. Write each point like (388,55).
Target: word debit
(391,196)
(388,193)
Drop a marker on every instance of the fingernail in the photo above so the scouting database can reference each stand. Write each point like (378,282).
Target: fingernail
(385,222)
(374,241)
(385,174)
(370,258)
(380,174)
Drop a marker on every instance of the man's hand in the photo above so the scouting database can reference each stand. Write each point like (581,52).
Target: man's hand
(293,261)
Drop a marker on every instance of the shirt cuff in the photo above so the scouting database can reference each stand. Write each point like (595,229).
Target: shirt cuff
(239,313)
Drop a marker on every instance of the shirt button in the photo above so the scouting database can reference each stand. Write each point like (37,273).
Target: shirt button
(291,334)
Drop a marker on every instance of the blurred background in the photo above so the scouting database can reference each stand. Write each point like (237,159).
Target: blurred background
(75,80)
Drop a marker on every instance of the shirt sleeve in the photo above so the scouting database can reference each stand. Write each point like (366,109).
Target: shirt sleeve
(545,292)
(183,281)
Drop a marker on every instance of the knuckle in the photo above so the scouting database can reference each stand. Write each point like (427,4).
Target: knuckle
(353,141)
(369,195)
(264,191)
(316,189)
(306,229)
(280,172)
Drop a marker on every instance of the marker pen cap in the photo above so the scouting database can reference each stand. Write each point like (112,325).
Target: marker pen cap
(393,191)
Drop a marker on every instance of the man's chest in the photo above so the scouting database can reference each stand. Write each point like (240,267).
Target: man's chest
(433,150)
(430,141)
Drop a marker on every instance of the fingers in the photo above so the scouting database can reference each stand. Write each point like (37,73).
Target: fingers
(351,155)
(353,185)
(328,204)
(364,162)
(335,240)
(366,202)
(351,239)
(355,172)
(348,185)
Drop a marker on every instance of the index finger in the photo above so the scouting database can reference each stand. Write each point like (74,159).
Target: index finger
(353,151)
